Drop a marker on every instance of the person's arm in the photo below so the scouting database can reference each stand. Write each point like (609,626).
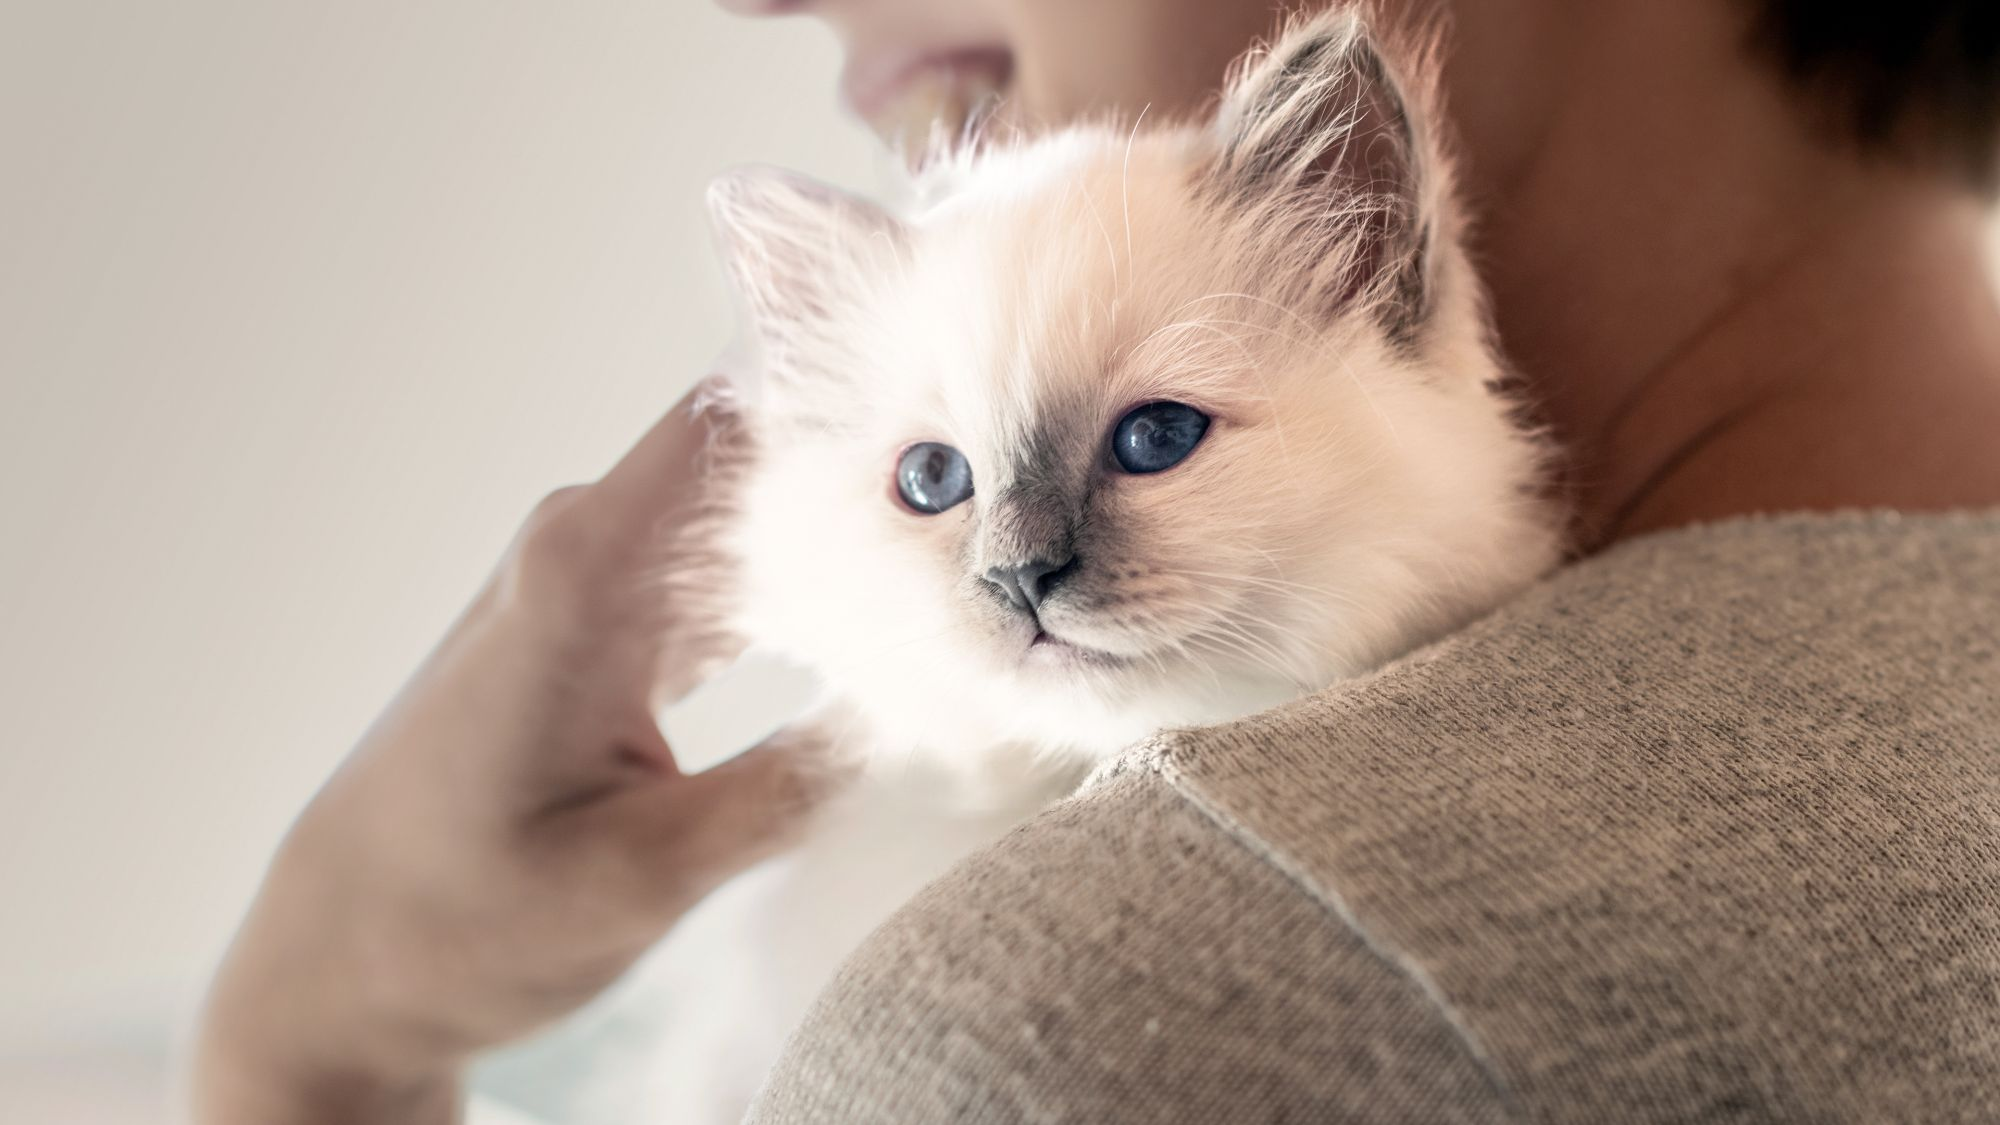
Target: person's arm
(508,838)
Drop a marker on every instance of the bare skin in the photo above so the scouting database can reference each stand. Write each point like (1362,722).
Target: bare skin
(509,837)
(1718,309)
(1791,327)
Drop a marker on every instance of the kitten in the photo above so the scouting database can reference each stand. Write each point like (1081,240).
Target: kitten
(1120,431)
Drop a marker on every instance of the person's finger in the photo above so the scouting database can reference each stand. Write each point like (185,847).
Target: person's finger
(664,505)
(706,827)
(663,474)
(697,641)
(636,557)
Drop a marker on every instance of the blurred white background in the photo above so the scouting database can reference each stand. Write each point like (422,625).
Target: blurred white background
(301,308)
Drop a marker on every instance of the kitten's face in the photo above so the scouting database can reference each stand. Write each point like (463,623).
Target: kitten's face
(1092,447)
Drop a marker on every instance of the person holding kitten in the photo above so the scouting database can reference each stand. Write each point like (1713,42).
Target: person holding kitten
(1706,823)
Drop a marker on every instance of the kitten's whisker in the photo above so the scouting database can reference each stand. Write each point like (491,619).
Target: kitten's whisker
(1279,584)
(1110,250)
(1265,651)
(1260,657)
(1125,178)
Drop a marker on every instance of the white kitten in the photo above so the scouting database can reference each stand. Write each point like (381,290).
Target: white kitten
(1121,431)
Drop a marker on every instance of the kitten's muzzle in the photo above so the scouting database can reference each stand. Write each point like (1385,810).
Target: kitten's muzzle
(1026,584)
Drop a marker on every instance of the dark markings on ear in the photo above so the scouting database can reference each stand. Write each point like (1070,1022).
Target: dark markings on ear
(1393,160)
(1321,125)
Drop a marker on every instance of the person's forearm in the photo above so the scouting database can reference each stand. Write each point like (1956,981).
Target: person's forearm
(285,1040)
(237,1084)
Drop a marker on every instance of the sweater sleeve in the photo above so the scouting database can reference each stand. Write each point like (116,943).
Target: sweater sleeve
(1122,958)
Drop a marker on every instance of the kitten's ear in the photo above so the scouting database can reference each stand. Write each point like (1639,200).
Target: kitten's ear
(796,249)
(1318,130)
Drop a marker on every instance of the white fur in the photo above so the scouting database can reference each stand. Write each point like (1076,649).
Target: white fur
(1362,488)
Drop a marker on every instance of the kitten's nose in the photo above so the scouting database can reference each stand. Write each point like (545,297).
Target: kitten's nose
(1026,584)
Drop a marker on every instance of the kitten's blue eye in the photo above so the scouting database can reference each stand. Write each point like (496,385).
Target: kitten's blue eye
(932,477)
(1156,436)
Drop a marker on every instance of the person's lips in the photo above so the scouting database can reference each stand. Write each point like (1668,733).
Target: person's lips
(909,99)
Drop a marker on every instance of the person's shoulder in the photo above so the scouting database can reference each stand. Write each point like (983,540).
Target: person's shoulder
(1816,639)
(1831,642)
(1123,957)
(1709,821)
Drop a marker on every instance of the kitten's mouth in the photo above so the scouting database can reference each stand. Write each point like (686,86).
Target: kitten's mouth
(1047,645)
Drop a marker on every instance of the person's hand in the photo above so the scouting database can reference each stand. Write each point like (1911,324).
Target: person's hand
(511,834)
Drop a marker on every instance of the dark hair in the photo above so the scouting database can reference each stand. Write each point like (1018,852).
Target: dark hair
(1920,78)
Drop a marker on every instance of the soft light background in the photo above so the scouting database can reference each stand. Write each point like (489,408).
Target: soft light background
(301,307)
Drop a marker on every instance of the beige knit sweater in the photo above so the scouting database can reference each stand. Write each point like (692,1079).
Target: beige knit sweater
(1706,828)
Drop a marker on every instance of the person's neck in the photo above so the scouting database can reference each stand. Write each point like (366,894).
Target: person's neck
(1717,315)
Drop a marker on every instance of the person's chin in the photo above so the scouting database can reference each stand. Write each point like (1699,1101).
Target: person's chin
(912,99)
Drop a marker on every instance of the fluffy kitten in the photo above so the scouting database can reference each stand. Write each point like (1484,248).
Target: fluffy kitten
(1122,430)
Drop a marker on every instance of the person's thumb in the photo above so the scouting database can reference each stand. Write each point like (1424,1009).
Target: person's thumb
(702,829)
